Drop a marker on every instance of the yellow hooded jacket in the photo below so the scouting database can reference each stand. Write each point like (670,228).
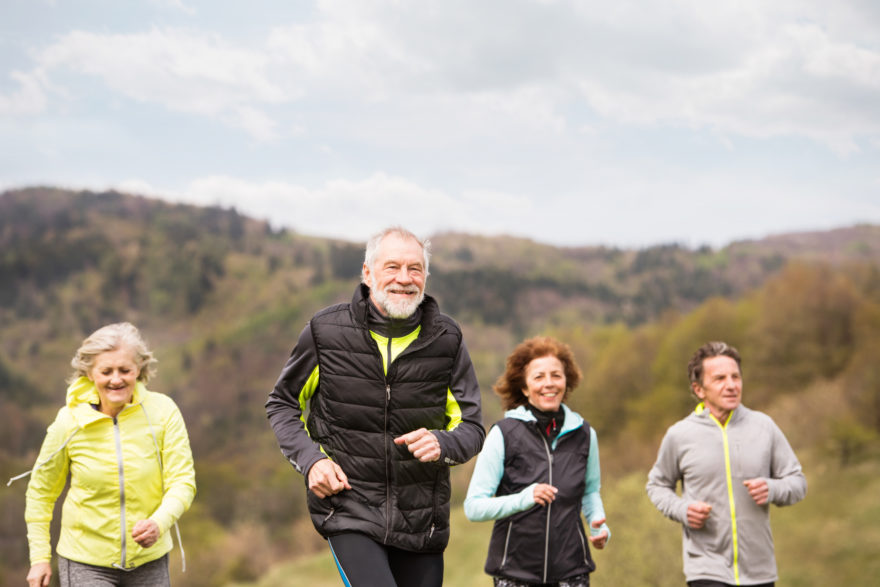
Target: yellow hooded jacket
(136,466)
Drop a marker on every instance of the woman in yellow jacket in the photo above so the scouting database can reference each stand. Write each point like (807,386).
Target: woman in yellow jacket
(131,470)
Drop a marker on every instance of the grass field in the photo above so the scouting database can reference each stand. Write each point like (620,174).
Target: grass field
(831,538)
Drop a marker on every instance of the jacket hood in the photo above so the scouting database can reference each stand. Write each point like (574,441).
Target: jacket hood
(83,393)
(573,420)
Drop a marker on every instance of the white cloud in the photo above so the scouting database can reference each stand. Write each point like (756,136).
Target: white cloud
(340,208)
(177,5)
(183,71)
(748,68)
(30,98)
(350,209)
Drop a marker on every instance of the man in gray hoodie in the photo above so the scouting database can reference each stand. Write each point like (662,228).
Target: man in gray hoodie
(732,463)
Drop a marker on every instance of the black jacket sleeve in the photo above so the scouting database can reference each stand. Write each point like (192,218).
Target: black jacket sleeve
(464,441)
(297,383)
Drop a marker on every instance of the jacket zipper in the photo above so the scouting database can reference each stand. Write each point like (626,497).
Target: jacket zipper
(729,479)
(121,486)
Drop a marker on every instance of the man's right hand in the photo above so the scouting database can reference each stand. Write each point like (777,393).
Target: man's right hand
(326,478)
(39,575)
(698,513)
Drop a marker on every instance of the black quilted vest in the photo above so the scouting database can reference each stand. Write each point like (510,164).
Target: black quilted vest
(542,544)
(357,412)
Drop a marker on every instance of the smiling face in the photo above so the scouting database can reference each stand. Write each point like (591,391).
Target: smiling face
(397,276)
(545,383)
(721,386)
(115,374)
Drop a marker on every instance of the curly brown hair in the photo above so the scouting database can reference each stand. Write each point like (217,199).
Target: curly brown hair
(512,382)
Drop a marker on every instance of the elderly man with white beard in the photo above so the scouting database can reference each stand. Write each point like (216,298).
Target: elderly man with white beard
(376,401)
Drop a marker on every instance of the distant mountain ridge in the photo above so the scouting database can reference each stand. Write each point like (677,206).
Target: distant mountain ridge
(171,257)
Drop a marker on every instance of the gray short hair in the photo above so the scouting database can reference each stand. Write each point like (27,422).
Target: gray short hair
(376,240)
(707,351)
(110,338)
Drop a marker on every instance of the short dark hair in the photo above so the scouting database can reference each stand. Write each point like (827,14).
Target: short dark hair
(512,382)
(707,351)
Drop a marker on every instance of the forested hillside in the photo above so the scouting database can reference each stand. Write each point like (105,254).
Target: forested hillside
(221,298)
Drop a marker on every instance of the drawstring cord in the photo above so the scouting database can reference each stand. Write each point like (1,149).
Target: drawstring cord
(47,459)
(162,473)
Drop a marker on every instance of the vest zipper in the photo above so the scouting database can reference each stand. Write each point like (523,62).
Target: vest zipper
(388,455)
(549,506)
(387,465)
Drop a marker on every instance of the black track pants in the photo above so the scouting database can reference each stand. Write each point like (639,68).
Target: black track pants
(363,562)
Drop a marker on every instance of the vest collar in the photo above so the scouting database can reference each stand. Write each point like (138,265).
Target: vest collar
(360,305)
(573,420)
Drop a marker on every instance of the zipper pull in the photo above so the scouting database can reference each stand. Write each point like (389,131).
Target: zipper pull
(387,392)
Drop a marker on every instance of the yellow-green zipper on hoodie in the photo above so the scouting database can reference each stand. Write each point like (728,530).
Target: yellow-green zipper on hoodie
(729,476)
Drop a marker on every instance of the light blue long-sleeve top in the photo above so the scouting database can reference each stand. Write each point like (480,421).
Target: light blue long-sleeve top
(482,505)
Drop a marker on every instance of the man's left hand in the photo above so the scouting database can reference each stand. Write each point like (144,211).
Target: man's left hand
(758,489)
(422,444)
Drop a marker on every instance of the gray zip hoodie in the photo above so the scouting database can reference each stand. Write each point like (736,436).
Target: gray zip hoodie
(711,460)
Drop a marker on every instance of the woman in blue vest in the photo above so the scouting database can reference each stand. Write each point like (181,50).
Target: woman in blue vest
(538,470)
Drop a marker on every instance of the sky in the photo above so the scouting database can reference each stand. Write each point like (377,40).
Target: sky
(571,122)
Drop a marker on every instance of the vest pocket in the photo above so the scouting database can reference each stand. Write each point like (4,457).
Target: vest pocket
(506,545)
(582,536)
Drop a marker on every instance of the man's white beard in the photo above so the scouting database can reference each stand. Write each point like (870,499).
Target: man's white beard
(396,308)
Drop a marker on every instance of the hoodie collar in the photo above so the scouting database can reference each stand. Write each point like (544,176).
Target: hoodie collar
(702,411)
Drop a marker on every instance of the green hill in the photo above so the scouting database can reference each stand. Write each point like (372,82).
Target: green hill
(221,298)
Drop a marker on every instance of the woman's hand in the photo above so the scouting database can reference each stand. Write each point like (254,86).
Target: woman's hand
(598,541)
(39,575)
(145,533)
(544,494)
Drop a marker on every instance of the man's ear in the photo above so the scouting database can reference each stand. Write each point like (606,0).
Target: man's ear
(698,390)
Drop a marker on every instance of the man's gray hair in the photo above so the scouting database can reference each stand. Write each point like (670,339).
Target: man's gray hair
(110,338)
(376,240)
(707,351)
